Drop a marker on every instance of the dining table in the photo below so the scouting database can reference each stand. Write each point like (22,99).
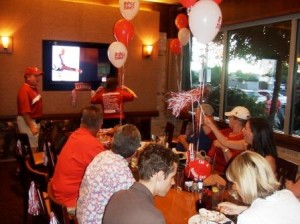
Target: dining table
(178,206)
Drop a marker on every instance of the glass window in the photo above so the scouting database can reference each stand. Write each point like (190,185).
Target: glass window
(296,95)
(206,67)
(257,70)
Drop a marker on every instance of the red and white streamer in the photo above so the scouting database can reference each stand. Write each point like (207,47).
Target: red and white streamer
(177,101)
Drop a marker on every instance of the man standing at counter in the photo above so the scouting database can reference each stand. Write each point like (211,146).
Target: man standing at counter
(30,107)
(80,149)
(157,167)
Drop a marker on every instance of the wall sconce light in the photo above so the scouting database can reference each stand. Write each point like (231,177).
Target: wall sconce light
(147,51)
(6,44)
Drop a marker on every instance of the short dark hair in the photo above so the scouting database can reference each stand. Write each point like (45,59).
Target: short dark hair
(126,140)
(111,83)
(91,117)
(155,158)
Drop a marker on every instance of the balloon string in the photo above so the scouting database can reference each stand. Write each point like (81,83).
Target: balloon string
(177,73)
(203,75)
(122,84)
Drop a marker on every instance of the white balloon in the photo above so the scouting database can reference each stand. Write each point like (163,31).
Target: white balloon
(205,20)
(117,54)
(129,8)
(184,36)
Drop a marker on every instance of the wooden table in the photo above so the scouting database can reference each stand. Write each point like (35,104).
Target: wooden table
(178,206)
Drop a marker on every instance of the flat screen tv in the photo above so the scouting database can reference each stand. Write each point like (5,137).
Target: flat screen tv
(66,63)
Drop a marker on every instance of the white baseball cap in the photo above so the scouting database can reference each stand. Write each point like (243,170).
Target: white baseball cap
(239,112)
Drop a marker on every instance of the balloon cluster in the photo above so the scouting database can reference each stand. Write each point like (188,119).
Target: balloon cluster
(205,19)
(123,32)
(184,33)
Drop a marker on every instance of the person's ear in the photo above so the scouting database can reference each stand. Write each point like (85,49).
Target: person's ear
(160,175)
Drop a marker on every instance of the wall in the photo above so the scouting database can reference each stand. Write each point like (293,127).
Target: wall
(31,21)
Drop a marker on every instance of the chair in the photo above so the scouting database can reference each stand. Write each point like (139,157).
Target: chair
(285,170)
(40,180)
(169,131)
(184,125)
(51,157)
(35,158)
(60,211)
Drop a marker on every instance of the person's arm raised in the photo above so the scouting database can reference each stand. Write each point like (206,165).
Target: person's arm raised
(238,144)
(129,90)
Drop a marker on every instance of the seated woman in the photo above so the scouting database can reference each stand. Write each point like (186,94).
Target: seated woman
(257,186)
(258,137)
(221,154)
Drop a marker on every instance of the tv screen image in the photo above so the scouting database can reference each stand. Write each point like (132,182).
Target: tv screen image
(68,62)
(65,63)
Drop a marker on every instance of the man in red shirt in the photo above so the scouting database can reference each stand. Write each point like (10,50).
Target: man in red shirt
(111,99)
(30,107)
(80,149)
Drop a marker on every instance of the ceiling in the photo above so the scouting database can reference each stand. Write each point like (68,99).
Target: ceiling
(162,1)
(116,2)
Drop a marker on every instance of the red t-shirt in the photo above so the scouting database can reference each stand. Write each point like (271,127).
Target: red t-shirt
(29,101)
(76,155)
(217,153)
(268,104)
(112,102)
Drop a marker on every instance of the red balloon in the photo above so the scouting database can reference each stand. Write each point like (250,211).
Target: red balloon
(181,21)
(123,31)
(218,1)
(198,169)
(187,3)
(175,46)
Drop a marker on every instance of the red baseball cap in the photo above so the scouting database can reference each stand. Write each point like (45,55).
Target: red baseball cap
(32,71)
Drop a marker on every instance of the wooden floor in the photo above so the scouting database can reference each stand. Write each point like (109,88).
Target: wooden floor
(11,194)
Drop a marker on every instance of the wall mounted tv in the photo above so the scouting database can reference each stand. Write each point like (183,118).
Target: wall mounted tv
(66,63)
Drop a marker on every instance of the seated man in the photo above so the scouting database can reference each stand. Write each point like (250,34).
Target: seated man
(219,153)
(108,173)
(157,167)
(201,138)
(80,149)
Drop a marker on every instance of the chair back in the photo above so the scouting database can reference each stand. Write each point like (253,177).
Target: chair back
(285,170)
(25,147)
(184,126)
(40,180)
(51,157)
(169,131)
(59,210)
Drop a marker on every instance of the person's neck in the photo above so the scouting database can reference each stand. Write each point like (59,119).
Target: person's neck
(92,131)
(148,184)
(32,86)
(237,129)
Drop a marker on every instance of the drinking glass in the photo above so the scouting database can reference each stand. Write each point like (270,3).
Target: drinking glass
(217,195)
(179,179)
(232,191)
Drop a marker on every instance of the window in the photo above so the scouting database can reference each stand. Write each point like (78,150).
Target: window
(206,67)
(256,71)
(296,89)
(257,68)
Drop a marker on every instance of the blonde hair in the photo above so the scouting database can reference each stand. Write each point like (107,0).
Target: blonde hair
(253,175)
